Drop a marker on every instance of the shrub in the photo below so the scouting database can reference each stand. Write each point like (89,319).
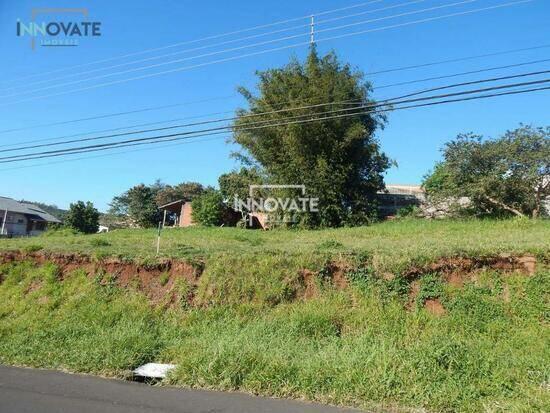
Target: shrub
(32,248)
(83,217)
(410,211)
(99,242)
(431,287)
(208,209)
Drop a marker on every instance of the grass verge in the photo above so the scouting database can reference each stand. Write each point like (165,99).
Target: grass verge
(367,345)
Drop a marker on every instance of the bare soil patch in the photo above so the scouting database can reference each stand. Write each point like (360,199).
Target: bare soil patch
(156,281)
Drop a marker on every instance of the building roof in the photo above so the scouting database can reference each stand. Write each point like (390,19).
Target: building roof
(173,206)
(397,189)
(36,212)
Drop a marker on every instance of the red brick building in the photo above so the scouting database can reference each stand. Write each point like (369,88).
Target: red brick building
(178,213)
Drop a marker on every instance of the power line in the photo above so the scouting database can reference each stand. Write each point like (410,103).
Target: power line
(271,112)
(409,13)
(249,29)
(488,69)
(429,19)
(211,131)
(460,59)
(494,79)
(319,22)
(145,76)
(504,52)
(206,47)
(115,153)
(116,114)
(115,144)
(127,127)
(234,49)
(304,121)
(380,111)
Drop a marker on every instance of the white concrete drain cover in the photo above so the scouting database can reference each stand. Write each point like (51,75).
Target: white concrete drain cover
(154,370)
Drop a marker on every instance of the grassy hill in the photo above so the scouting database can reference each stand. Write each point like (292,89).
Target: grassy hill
(445,316)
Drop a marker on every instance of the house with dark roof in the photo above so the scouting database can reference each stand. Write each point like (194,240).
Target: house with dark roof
(19,219)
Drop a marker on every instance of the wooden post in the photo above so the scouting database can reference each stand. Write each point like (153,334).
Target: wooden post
(164,219)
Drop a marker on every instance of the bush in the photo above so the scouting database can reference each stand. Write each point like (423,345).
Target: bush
(99,242)
(83,217)
(410,211)
(208,209)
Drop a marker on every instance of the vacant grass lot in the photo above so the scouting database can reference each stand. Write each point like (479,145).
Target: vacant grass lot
(367,345)
(391,246)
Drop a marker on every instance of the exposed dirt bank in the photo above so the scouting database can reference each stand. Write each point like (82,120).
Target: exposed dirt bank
(161,281)
(156,280)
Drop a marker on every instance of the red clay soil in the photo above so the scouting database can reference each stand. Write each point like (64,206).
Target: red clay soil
(156,281)
(308,280)
(338,271)
(435,307)
(452,267)
(458,271)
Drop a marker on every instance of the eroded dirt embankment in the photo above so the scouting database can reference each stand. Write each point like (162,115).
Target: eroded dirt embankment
(448,267)
(159,280)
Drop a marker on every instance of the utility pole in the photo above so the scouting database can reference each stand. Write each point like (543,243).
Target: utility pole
(312,33)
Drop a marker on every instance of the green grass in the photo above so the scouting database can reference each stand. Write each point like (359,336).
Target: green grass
(390,246)
(248,330)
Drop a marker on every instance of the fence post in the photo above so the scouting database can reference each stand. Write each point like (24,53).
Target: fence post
(158,238)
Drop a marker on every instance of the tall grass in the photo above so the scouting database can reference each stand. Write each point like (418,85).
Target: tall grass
(391,246)
(360,346)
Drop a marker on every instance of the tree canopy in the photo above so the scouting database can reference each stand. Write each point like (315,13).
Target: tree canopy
(339,160)
(209,208)
(237,183)
(138,203)
(505,176)
(83,217)
(185,190)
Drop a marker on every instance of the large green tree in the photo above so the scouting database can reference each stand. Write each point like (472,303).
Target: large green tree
(83,217)
(339,159)
(209,208)
(138,204)
(505,176)
(237,183)
(185,190)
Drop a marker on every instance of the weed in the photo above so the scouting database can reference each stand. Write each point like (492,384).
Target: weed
(164,278)
(330,245)
(32,248)
(431,287)
(99,242)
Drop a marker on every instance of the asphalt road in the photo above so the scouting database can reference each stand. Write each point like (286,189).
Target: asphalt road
(45,391)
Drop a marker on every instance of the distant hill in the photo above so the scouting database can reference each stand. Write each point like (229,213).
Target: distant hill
(50,209)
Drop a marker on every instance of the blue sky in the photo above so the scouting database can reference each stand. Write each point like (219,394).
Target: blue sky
(413,137)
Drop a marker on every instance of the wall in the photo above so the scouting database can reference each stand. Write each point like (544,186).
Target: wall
(16,224)
(185,217)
